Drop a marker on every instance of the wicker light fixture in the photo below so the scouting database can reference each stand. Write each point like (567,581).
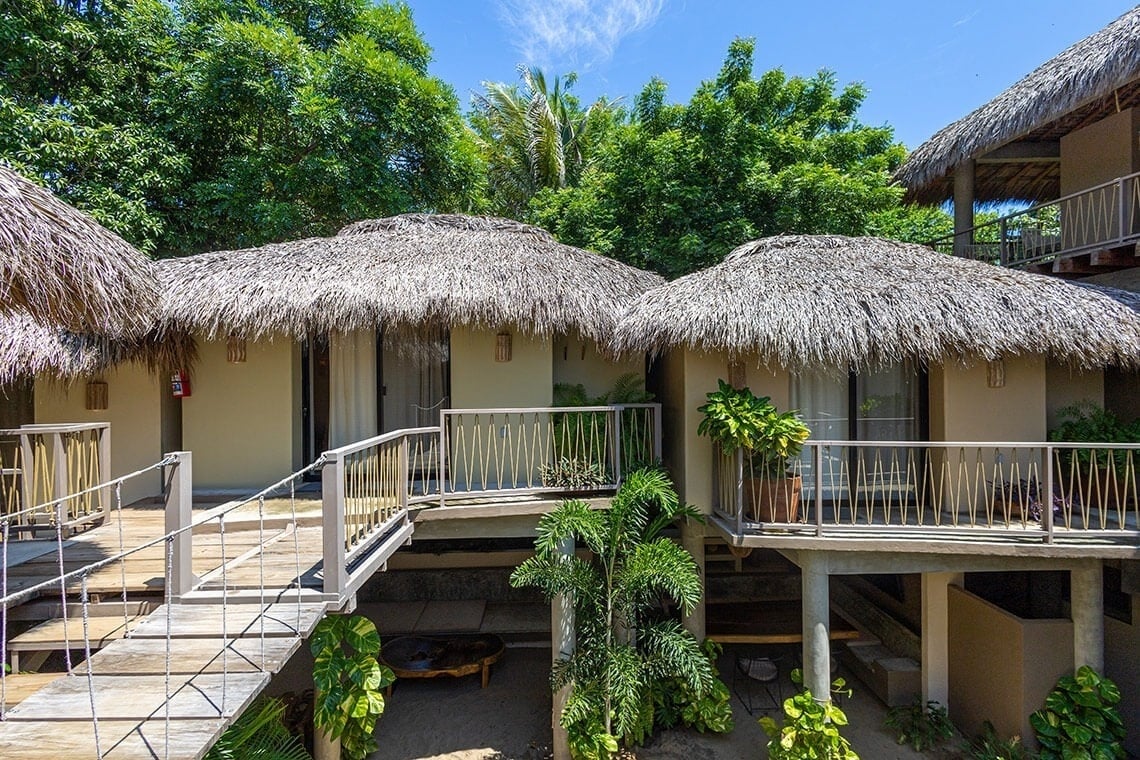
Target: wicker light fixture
(235,349)
(96,396)
(995,373)
(503,347)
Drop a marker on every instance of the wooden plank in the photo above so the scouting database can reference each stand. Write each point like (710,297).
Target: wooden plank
(194,697)
(118,740)
(205,620)
(1078,264)
(1114,257)
(51,634)
(20,686)
(148,656)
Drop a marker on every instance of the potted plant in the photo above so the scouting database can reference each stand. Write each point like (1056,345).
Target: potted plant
(736,418)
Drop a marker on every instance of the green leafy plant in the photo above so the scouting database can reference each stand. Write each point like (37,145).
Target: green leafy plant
(349,681)
(811,728)
(737,418)
(1080,720)
(1085,422)
(921,725)
(259,733)
(675,703)
(989,746)
(573,473)
(624,641)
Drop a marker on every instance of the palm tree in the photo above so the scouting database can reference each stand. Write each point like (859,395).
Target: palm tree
(533,137)
(624,642)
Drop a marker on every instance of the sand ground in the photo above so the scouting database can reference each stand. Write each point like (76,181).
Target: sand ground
(454,719)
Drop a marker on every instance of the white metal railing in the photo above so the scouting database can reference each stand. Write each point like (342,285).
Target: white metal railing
(1104,216)
(545,450)
(40,464)
(1039,492)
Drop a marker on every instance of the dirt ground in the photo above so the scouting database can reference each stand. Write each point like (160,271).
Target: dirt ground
(454,719)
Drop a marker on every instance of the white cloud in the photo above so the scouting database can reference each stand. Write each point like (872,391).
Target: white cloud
(578,31)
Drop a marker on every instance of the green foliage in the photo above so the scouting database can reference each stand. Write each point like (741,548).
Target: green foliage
(811,728)
(989,746)
(259,734)
(1080,720)
(200,124)
(1085,422)
(736,418)
(624,641)
(350,682)
(922,726)
(573,473)
(674,187)
(675,703)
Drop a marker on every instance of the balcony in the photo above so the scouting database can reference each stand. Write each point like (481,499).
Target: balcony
(1089,232)
(1044,499)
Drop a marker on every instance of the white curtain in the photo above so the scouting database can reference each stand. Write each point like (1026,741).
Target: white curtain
(352,387)
(822,402)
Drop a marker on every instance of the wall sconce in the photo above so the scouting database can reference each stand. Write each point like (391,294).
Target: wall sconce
(503,347)
(995,373)
(737,374)
(235,349)
(96,396)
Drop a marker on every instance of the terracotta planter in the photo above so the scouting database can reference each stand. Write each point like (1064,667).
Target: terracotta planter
(773,500)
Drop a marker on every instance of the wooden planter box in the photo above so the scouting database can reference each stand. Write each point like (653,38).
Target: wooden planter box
(773,500)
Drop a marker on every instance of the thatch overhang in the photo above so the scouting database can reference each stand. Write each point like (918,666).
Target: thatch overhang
(834,303)
(1096,77)
(400,273)
(30,349)
(59,266)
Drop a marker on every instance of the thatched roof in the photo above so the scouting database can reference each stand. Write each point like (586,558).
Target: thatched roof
(838,302)
(60,266)
(30,349)
(1129,298)
(1095,77)
(406,271)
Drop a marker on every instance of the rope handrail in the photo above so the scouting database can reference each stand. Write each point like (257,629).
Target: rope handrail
(216,513)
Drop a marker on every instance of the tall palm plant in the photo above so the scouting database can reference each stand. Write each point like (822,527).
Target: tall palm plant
(623,642)
(533,136)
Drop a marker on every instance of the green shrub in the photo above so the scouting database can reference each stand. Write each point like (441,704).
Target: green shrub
(259,734)
(811,728)
(573,473)
(922,726)
(676,703)
(989,746)
(1080,720)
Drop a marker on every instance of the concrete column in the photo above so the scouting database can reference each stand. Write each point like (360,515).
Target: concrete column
(693,541)
(936,636)
(964,207)
(816,624)
(1086,585)
(562,643)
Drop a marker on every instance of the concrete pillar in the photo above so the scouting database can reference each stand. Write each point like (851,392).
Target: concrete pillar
(1086,584)
(936,636)
(693,541)
(964,207)
(816,624)
(562,642)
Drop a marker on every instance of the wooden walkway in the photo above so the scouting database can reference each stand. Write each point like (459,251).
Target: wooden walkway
(214,663)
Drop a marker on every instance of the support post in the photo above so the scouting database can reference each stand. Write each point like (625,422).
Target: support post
(1087,611)
(816,624)
(332,520)
(60,468)
(964,208)
(179,514)
(104,443)
(936,636)
(693,541)
(563,642)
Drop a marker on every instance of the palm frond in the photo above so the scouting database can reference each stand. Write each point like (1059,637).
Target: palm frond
(572,519)
(660,567)
(673,652)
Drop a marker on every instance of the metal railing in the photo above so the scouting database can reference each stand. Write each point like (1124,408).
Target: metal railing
(41,464)
(1038,492)
(545,450)
(1100,217)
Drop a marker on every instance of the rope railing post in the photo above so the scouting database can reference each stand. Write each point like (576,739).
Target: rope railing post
(818,465)
(84,601)
(27,472)
(738,492)
(103,436)
(59,479)
(1047,497)
(179,514)
(332,519)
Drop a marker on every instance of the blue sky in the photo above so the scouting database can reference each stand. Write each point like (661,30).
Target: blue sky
(925,64)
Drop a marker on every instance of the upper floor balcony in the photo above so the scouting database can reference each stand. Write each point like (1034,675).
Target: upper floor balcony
(1092,231)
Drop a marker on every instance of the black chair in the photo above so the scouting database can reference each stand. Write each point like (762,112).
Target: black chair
(756,683)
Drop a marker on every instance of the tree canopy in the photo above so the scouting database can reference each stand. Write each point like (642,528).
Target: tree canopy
(677,186)
(198,124)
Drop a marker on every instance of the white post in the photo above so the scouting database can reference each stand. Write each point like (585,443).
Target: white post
(103,436)
(179,514)
(816,624)
(332,520)
(562,640)
(693,541)
(1087,611)
(936,637)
